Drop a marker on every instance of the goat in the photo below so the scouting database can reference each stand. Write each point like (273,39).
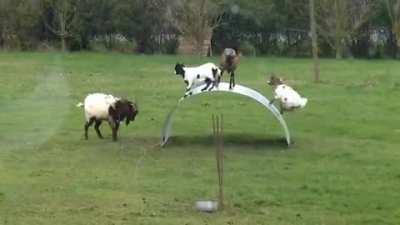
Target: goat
(197,76)
(100,107)
(289,99)
(229,62)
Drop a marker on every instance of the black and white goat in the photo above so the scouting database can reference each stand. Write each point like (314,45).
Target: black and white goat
(100,107)
(229,62)
(196,76)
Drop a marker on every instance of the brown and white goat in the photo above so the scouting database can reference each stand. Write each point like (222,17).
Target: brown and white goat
(101,107)
(288,98)
(229,62)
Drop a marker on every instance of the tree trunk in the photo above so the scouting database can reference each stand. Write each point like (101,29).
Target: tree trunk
(63,31)
(200,45)
(393,47)
(63,44)
(338,30)
(2,35)
(338,49)
(314,39)
(393,9)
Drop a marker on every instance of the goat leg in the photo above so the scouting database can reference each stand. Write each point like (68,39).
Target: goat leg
(230,81)
(96,127)
(212,85)
(114,134)
(188,94)
(219,78)
(86,130)
(87,125)
(272,101)
(113,126)
(208,82)
(233,79)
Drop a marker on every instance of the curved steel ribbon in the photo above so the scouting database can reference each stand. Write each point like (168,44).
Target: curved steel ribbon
(224,87)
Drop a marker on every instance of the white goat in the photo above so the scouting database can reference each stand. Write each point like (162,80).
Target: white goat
(289,98)
(99,107)
(196,76)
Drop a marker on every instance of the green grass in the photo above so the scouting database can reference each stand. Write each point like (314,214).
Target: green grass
(342,169)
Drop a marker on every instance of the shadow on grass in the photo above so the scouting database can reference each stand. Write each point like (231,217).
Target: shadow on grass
(187,141)
(238,140)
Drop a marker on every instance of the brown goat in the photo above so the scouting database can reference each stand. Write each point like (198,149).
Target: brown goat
(229,62)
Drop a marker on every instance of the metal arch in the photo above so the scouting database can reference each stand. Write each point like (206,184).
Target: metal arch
(224,87)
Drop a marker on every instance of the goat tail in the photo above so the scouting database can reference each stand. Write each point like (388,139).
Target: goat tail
(303,102)
(80,104)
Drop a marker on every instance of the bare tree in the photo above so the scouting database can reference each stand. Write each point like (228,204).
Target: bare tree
(19,24)
(339,23)
(195,20)
(393,8)
(59,18)
(4,22)
(314,39)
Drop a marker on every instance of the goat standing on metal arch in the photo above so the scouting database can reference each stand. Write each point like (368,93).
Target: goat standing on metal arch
(229,62)
(196,76)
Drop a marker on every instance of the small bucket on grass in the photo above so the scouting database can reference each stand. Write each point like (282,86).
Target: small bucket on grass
(207,206)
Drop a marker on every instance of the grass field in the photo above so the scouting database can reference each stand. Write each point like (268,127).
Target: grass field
(342,169)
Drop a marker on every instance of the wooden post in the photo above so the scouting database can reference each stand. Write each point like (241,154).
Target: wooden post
(218,131)
(314,40)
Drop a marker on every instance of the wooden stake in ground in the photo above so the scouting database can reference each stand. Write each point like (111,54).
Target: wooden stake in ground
(218,131)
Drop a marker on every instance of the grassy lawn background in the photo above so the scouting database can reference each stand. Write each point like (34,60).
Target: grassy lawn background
(342,169)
